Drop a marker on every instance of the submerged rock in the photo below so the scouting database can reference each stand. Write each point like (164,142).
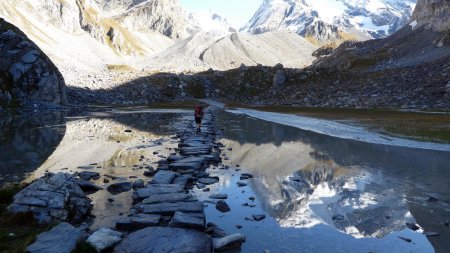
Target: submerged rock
(218,196)
(61,239)
(258,217)
(104,238)
(161,239)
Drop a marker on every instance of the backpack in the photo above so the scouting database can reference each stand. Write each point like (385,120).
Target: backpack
(198,112)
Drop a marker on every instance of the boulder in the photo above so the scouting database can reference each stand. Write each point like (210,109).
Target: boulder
(61,239)
(27,73)
(279,78)
(228,242)
(162,239)
(52,198)
(104,238)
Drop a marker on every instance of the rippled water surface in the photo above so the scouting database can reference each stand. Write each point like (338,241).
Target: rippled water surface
(319,193)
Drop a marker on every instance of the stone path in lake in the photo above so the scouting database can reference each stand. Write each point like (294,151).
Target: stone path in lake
(165,216)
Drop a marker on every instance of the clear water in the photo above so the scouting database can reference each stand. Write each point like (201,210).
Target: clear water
(319,193)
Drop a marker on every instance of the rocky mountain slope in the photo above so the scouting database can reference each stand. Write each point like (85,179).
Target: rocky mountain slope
(328,21)
(27,76)
(100,44)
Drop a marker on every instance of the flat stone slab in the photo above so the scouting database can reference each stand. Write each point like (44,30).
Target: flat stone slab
(208,180)
(138,221)
(228,242)
(104,238)
(61,239)
(169,198)
(171,208)
(157,189)
(183,180)
(188,220)
(185,166)
(173,158)
(159,239)
(218,196)
(163,177)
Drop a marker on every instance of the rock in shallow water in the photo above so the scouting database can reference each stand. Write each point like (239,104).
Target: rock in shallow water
(51,198)
(258,217)
(104,238)
(138,221)
(218,196)
(61,239)
(228,242)
(208,180)
(160,239)
(119,187)
(188,220)
(222,206)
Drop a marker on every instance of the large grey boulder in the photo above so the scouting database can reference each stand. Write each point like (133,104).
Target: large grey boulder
(104,238)
(26,74)
(60,239)
(52,198)
(161,239)
(279,78)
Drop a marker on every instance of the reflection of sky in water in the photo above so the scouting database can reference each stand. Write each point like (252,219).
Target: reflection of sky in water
(333,195)
(303,181)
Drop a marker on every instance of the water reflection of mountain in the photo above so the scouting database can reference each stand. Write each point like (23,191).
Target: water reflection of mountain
(376,187)
(27,141)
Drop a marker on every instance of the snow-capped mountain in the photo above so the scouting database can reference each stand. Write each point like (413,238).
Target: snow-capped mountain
(209,22)
(332,20)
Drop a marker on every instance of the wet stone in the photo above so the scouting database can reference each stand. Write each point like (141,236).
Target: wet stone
(88,175)
(162,239)
(61,239)
(258,217)
(218,196)
(241,184)
(163,177)
(245,176)
(171,208)
(222,206)
(228,242)
(208,180)
(157,189)
(138,221)
(183,179)
(188,220)
(104,238)
(88,186)
(118,188)
(138,184)
(169,198)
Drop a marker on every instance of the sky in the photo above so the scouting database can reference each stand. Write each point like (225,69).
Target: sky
(237,12)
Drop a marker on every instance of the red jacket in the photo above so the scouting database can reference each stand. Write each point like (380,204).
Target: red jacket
(198,112)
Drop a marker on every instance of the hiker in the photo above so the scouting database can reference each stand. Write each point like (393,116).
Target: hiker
(198,116)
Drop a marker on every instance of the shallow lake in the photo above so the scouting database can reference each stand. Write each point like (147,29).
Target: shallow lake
(319,193)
